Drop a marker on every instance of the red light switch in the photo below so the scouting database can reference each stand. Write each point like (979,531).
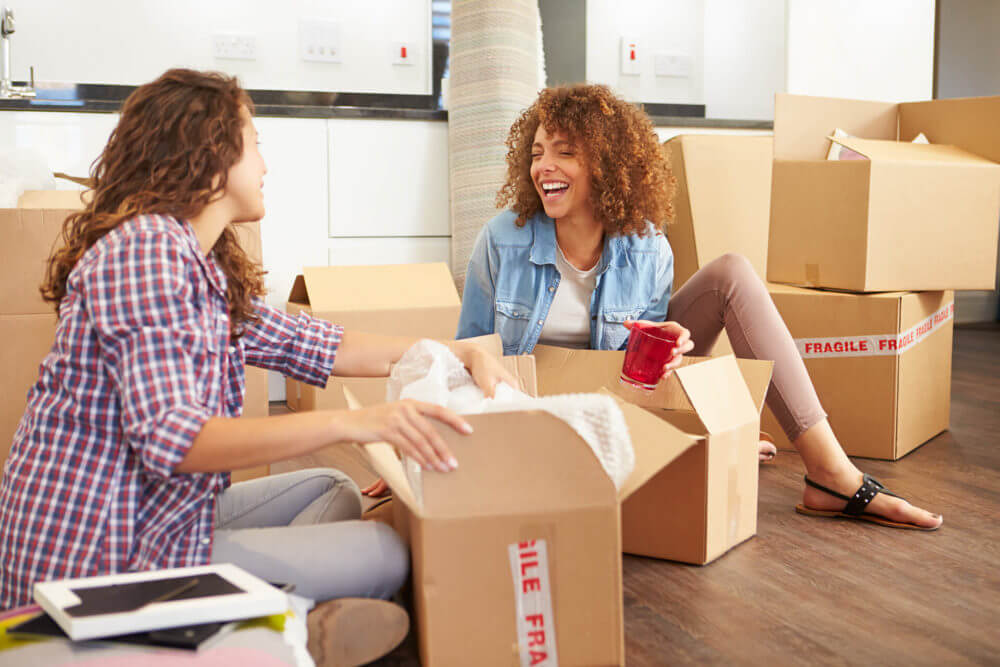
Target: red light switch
(402,52)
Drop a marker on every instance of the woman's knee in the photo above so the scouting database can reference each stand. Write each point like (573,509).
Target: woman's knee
(732,269)
(394,564)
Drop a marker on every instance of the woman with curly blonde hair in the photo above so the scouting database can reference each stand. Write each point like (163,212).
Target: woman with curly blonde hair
(120,460)
(580,257)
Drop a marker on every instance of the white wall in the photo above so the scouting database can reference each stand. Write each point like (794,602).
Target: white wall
(674,26)
(133,41)
(744,58)
(861,49)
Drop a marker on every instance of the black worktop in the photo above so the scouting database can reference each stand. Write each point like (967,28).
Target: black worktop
(106,98)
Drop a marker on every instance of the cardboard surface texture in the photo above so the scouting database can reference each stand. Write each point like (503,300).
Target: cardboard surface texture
(881,365)
(400,299)
(705,502)
(525,533)
(27,323)
(910,217)
(725,180)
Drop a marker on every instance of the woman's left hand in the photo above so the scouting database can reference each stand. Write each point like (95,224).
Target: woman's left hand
(486,370)
(683,346)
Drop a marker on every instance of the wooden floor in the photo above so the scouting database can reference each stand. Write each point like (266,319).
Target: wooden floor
(829,592)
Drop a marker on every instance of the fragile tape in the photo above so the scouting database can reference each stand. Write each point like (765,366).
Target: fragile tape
(877,345)
(536,628)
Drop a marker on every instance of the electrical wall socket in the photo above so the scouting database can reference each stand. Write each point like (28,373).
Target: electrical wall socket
(672,64)
(319,41)
(234,46)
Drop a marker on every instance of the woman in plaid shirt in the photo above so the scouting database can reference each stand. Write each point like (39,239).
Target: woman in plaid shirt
(120,461)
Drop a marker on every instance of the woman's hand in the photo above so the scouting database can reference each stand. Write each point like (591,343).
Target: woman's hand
(406,425)
(683,346)
(486,370)
(376,489)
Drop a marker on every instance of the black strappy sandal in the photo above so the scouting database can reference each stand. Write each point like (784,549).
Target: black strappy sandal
(856,504)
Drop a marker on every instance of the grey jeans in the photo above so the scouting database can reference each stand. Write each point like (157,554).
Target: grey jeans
(304,528)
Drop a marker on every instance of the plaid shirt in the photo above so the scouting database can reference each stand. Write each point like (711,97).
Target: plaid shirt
(142,359)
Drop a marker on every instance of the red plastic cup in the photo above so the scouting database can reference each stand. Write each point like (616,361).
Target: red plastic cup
(649,350)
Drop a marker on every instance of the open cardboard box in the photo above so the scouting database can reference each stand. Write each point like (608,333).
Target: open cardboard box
(516,556)
(910,217)
(417,300)
(30,232)
(704,503)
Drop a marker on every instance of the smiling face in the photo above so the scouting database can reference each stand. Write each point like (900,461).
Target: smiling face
(245,181)
(560,176)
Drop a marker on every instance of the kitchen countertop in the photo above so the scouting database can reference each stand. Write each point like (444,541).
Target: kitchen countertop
(106,98)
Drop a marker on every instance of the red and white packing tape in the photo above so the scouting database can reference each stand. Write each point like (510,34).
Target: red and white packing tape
(536,628)
(873,346)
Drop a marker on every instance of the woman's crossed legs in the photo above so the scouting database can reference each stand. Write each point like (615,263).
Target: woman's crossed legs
(728,294)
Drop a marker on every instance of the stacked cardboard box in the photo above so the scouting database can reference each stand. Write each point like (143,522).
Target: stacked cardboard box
(911,217)
(27,323)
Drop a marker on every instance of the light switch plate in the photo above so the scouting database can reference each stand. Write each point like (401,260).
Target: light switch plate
(319,41)
(630,56)
(234,46)
(403,54)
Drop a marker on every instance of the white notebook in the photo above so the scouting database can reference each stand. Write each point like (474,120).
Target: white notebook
(117,604)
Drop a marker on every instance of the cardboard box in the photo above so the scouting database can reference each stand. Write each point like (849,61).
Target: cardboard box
(881,365)
(911,217)
(705,502)
(516,556)
(397,299)
(723,200)
(27,323)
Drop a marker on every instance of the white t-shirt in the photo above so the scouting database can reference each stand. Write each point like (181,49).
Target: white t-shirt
(568,321)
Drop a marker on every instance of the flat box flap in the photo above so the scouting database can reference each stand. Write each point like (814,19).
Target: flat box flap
(723,200)
(802,123)
(70,200)
(568,371)
(905,151)
(523,368)
(757,375)
(29,237)
(492,343)
(716,381)
(655,442)
(969,123)
(381,287)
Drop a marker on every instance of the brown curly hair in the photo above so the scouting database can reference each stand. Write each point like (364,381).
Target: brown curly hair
(630,175)
(171,152)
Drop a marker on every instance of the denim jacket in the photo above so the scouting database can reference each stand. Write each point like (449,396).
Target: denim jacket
(512,279)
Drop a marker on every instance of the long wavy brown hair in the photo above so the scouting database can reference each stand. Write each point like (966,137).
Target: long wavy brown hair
(630,175)
(170,154)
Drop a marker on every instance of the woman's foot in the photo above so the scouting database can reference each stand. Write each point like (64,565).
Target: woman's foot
(355,631)
(847,483)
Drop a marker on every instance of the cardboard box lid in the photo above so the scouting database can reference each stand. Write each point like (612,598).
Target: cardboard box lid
(969,123)
(724,392)
(803,122)
(723,200)
(904,151)
(655,443)
(370,288)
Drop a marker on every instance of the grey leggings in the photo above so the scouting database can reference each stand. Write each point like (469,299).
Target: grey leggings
(303,528)
(727,293)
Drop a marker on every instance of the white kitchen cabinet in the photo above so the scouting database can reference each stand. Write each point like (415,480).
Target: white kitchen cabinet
(69,142)
(388,177)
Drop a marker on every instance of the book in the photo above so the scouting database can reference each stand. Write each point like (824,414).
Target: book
(190,637)
(135,602)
